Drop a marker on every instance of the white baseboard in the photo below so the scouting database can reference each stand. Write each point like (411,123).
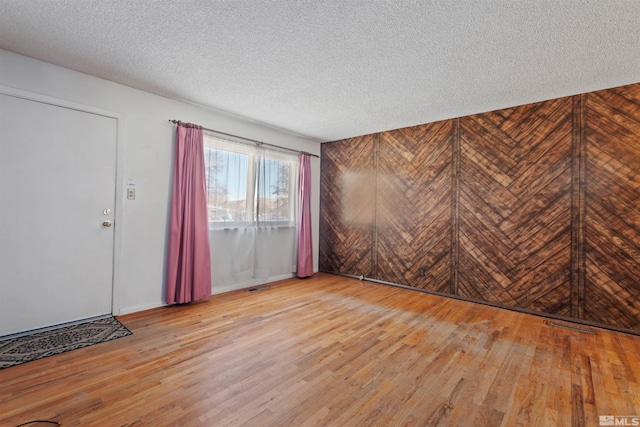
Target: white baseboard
(219,290)
(249,283)
(129,310)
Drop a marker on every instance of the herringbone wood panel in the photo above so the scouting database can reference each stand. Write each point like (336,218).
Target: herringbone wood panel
(414,206)
(515,206)
(613,207)
(545,211)
(347,206)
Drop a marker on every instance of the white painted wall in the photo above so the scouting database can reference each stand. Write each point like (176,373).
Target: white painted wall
(147,141)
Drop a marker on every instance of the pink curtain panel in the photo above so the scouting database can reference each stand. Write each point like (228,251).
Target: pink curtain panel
(305,251)
(189,265)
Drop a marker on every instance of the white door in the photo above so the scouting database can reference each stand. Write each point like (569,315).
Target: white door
(57,187)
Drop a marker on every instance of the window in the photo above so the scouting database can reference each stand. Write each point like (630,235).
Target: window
(252,200)
(247,185)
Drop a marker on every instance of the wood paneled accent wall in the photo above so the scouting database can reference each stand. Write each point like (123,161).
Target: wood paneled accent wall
(348,197)
(535,207)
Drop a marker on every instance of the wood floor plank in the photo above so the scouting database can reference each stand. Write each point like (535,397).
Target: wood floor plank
(332,351)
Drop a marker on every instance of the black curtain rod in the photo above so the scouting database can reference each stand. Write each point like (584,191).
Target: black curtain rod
(178,122)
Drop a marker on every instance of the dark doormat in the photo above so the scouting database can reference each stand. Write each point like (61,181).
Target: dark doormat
(37,345)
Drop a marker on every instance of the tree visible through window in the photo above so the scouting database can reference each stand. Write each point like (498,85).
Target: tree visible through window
(248,185)
(274,190)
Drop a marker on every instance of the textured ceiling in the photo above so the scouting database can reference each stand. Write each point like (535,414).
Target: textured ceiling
(337,68)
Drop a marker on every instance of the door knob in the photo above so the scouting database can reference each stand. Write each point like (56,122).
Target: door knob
(106,224)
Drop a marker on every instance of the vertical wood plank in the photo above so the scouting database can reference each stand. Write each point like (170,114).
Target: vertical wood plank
(376,167)
(578,207)
(455,208)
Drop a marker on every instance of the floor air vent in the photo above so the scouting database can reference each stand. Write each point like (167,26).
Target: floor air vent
(261,288)
(573,328)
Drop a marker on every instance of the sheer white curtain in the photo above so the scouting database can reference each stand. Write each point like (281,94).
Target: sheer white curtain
(252,202)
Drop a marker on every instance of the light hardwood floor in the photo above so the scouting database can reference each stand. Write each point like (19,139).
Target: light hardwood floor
(332,351)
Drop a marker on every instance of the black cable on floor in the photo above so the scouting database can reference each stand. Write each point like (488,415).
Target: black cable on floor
(39,421)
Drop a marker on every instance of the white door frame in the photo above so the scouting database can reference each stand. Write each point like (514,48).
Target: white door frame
(119,192)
